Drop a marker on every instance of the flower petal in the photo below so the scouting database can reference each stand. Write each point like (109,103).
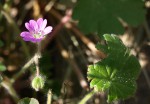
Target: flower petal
(34,40)
(47,30)
(27,25)
(44,24)
(25,34)
(28,39)
(33,25)
(37,30)
(39,23)
(38,40)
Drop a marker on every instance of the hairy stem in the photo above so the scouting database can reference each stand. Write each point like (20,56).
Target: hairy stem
(8,86)
(36,58)
(24,68)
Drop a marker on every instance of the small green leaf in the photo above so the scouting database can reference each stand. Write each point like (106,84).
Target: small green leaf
(28,101)
(102,16)
(2,67)
(117,73)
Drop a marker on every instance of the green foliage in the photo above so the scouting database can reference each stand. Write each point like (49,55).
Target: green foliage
(117,73)
(1,78)
(45,69)
(2,67)
(45,63)
(101,16)
(28,101)
(1,43)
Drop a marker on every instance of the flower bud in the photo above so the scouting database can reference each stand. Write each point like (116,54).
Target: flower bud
(38,83)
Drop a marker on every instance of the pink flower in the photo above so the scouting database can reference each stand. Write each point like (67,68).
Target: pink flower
(37,30)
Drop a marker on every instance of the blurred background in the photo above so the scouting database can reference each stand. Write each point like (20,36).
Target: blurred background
(78,25)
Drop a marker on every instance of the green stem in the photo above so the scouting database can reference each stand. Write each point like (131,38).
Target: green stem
(87,97)
(36,58)
(39,49)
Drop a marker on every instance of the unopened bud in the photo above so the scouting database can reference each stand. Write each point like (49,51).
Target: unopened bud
(38,83)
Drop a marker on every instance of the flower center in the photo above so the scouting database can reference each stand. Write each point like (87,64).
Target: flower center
(38,35)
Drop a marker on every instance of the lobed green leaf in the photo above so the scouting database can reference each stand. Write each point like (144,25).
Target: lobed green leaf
(117,73)
(102,16)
